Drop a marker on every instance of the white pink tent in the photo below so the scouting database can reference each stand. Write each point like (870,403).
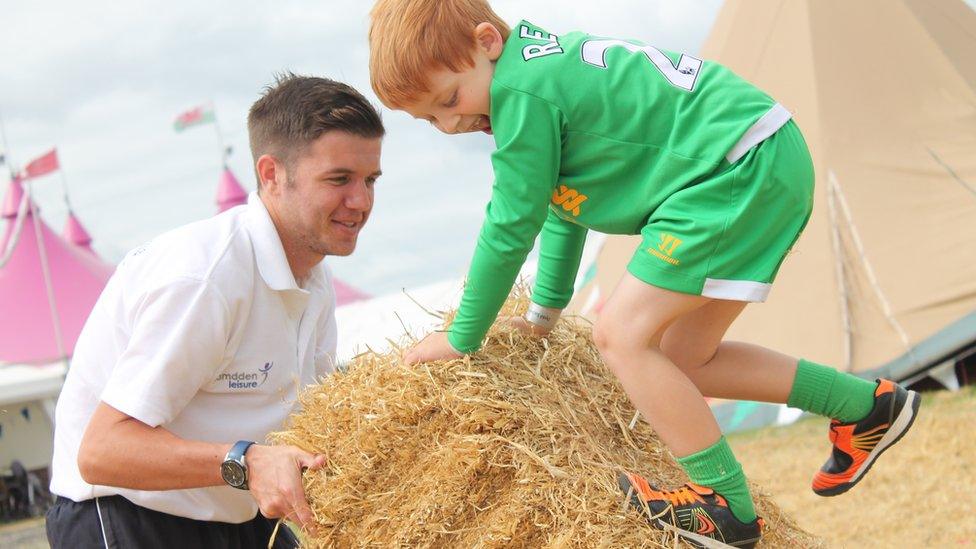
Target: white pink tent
(230,193)
(47,287)
(75,233)
(346,294)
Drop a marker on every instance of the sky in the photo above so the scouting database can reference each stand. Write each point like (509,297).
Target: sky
(103,81)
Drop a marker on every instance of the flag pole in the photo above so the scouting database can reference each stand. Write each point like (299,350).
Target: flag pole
(25,200)
(5,150)
(220,137)
(64,187)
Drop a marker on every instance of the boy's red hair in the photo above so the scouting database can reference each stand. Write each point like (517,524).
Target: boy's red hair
(410,38)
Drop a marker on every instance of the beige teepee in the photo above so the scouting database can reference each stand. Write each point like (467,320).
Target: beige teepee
(885,93)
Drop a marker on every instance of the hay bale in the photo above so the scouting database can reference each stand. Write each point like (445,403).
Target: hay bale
(515,446)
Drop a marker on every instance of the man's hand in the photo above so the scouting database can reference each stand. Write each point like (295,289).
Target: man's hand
(524,326)
(433,347)
(275,481)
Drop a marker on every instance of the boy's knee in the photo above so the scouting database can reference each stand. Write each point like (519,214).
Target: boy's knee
(601,335)
(612,338)
(607,342)
(687,355)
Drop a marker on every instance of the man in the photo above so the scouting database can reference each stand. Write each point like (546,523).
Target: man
(204,336)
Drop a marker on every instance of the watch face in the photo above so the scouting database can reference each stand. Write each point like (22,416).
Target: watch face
(233,473)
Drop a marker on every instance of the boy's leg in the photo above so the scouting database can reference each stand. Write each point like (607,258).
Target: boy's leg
(725,369)
(628,334)
(867,417)
(743,371)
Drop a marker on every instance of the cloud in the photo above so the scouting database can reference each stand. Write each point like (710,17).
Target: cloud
(104,80)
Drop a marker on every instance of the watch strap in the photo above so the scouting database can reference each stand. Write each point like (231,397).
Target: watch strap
(236,455)
(238,450)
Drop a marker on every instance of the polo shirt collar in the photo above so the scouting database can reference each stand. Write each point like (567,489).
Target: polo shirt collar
(269,253)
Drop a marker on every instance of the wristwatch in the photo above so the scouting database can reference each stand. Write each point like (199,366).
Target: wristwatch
(234,468)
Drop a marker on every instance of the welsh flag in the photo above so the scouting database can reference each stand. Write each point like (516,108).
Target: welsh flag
(194,117)
(42,165)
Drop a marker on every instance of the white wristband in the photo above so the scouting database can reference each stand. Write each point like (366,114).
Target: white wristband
(544,317)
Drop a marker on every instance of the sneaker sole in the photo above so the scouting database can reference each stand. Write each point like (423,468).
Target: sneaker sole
(699,540)
(904,421)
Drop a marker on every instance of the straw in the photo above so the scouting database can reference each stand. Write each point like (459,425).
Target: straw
(517,445)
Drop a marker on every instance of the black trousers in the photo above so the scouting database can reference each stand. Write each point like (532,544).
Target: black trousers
(114,522)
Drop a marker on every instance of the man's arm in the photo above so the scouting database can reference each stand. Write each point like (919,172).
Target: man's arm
(118,450)
(177,343)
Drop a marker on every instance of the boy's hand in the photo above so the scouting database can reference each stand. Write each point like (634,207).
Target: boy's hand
(524,326)
(433,347)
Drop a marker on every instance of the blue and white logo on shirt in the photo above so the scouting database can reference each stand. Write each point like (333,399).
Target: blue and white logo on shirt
(247,380)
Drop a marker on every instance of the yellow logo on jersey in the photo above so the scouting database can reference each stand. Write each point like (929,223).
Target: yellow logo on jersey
(569,199)
(669,243)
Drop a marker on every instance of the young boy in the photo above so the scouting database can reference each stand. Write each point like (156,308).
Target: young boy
(624,138)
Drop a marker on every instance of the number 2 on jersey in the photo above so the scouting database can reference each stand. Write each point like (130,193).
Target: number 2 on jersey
(683,75)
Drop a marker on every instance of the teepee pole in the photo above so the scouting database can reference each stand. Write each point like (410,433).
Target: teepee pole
(843,294)
(868,269)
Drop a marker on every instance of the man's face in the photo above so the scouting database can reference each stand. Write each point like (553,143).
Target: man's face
(328,193)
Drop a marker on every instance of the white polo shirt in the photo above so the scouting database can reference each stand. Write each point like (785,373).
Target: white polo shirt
(205,332)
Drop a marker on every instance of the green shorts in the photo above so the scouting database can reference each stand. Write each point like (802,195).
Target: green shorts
(726,236)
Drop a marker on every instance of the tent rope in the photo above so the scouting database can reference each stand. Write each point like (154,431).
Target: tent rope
(952,172)
(872,279)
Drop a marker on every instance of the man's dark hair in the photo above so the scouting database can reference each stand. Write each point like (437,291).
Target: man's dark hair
(297,110)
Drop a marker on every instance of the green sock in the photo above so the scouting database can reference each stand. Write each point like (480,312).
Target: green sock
(717,468)
(825,391)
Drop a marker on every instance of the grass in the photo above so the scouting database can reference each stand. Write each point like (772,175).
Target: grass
(920,493)
(23,534)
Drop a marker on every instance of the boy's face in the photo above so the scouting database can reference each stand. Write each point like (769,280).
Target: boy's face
(460,102)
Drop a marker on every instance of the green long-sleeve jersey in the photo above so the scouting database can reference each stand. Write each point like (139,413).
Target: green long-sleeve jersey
(590,133)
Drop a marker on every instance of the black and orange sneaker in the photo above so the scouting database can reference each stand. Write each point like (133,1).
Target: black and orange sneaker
(694,512)
(858,444)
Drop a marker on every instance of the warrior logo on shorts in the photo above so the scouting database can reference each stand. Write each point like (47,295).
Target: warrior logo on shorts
(569,199)
(669,243)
